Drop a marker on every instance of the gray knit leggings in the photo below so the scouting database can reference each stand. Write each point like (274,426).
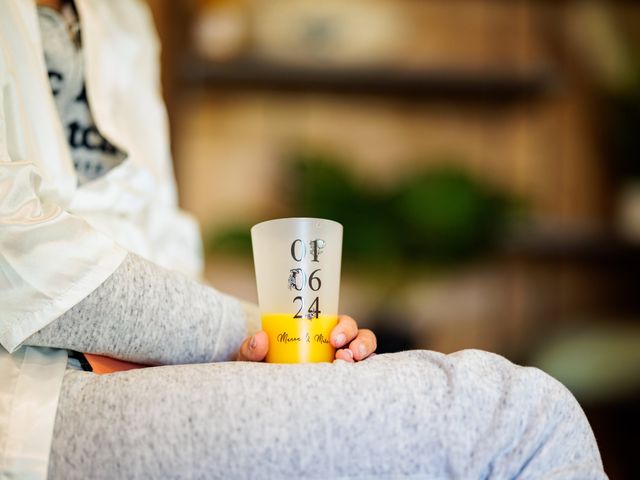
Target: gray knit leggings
(417,414)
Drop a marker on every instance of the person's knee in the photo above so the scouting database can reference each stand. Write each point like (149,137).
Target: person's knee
(550,395)
(540,422)
(527,393)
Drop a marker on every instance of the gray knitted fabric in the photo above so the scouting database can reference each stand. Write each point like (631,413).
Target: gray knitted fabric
(147,314)
(420,414)
(409,415)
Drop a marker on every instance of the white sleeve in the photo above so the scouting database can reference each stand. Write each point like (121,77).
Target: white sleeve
(49,259)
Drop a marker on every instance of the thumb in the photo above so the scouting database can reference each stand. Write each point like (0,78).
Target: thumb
(254,348)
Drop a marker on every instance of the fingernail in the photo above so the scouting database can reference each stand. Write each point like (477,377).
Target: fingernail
(362,350)
(340,339)
(252,343)
(349,352)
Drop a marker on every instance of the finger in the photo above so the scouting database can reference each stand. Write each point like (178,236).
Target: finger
(344,354)
(344,332)
(364,345)
(254,348)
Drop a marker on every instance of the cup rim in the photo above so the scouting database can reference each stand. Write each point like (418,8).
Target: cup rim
(287,219)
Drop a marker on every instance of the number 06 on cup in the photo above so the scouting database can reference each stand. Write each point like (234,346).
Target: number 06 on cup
(297,262)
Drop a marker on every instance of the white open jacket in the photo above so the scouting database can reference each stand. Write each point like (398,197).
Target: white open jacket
(58,241)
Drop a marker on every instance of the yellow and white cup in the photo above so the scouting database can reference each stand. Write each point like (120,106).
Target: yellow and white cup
(297,263)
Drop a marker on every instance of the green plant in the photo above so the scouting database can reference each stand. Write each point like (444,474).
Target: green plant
(440,215)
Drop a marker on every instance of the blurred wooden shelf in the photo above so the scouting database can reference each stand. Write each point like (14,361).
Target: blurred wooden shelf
(595,248)
(484,86)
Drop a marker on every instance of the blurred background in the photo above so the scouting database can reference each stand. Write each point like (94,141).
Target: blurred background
(483,156)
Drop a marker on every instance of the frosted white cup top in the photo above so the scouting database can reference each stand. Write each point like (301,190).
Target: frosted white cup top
(297,263)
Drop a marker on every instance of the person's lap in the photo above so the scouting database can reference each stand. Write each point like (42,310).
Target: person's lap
(412,414)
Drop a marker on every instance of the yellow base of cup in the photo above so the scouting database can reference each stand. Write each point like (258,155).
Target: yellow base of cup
(299,340)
